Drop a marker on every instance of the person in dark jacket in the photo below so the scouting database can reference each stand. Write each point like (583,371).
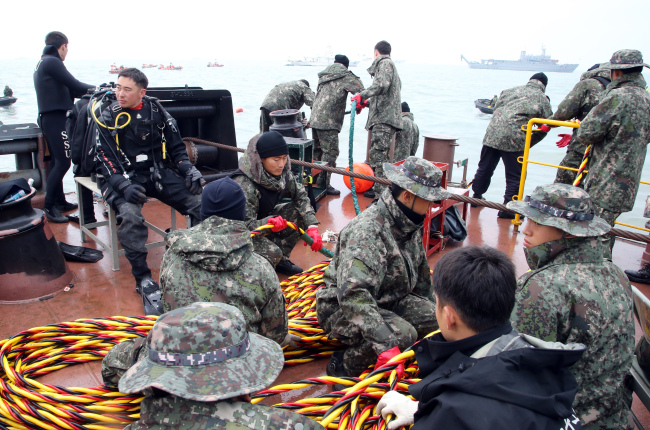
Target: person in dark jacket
(56,90)
(478,363)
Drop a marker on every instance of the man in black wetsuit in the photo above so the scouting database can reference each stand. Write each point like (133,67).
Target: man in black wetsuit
(140,153)
(56,89)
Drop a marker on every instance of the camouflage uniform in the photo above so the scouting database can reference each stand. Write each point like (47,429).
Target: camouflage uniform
(407,139)
(577,104)
(213,262)
(618,130)
(378,292)
(287,95)
(200,396)
(573,295)
(384,116)
(334,84)
(504,138)
(251,177)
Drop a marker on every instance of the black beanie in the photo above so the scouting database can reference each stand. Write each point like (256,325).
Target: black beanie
(342,59)
(405,107)
(272,144)
(595,66)
(223,198)
(540,77)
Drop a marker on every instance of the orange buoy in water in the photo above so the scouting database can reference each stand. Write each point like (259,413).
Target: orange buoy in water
(360,185)
(239,110)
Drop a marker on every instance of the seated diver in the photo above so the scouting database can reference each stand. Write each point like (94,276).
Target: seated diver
(265,176)
(479,373)
(197,368)
(214,262)
(136,138)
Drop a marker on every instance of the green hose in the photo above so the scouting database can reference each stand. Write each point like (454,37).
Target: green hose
(355,199)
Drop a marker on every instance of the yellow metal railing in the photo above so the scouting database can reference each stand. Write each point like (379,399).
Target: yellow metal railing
(525,161)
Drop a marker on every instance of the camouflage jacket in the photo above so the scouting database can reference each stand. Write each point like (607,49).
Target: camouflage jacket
(407,139)
(214,262)
(584,96)
(334,84)
(385,105)
(255,175)
(378,261)
(618,130)
(289,95)
(173,412)
(573,295)
(515,107)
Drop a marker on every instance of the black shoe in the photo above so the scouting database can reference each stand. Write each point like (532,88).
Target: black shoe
(509,215)
(54,215)
(286,267)
(642,276)
(476,196)
(370,193)
(67,207)
(331,191)
(75,219)
(151,297)
(335,369)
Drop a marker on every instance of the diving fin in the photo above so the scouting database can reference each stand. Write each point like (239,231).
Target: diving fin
(80,253)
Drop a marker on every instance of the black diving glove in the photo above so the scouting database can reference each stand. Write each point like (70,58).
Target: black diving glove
(193,179)
(135,194)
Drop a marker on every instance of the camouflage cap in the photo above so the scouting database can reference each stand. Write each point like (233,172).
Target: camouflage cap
(625,59)
(419,177)
(203,352)
(564,207)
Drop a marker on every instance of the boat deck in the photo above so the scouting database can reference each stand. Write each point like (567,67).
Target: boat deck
(100,292)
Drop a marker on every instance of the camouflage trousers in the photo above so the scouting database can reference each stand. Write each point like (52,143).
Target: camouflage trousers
(607,239)
(380,141)
(573,158)
(412,318)
(326,149)
(278,246)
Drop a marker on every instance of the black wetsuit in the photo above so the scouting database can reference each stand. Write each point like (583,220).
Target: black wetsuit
(56,89)
(140,146)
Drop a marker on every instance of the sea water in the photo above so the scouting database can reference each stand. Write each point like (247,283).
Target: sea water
(441,98)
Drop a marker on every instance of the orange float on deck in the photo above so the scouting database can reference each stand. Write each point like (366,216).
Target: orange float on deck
(360,185)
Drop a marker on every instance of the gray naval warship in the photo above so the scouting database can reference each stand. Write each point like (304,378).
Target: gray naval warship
(533,63)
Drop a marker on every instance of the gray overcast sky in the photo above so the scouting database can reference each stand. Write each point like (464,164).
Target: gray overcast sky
(419,31)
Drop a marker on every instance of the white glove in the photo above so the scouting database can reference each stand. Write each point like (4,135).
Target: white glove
(290,339)
(399,405)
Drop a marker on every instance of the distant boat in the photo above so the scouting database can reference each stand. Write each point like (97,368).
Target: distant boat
(6,101)
(170,67)
(532,63)
(215,64)
(484,105)
(115,70)
(149,66)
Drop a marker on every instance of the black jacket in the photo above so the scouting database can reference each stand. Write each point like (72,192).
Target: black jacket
(520,383)
(56,88)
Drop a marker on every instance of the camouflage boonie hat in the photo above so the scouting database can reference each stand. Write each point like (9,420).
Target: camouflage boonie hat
(419,177)
(625,59)
(564,207)
(203,352)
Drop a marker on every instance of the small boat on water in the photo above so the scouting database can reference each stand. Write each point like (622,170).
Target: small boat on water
(6,101)
(115,70)
(215,64)
(484,105)
(170,67)
(149,66)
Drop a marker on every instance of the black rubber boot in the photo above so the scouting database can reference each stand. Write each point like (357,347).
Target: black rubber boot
(151,297)
(476,196)
(331,191)
(66,206)
(54,215)
(642,275)
(370,193)
(286,267)
(335,369)
(509,215)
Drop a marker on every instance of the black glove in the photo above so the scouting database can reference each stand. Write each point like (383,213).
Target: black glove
(194,181)
(135,194)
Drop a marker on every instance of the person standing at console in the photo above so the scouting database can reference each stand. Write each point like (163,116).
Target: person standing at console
(56,89)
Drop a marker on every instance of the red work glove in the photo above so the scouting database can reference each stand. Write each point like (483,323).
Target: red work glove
(564,141)
(278,222)
(387,355)
(315,236)
(545,128)
(360,104)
